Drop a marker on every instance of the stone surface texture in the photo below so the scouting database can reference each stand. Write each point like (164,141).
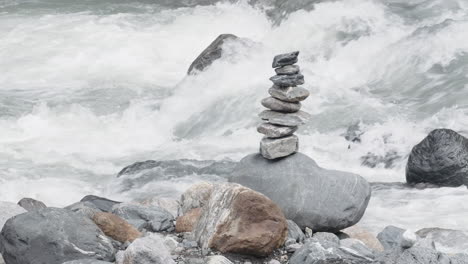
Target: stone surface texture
(188,221)
(279,147)
(275,131)
(30,204)
(115,227)
(151,218)
(146,250)
(282,119)
(289,94)
(280,106)
(213,52)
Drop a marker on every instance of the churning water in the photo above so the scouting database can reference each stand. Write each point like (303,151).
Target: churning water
(88,87)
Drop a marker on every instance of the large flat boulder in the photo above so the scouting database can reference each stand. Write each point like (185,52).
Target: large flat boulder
(53,236)
(324,200)
(237,219)
(441,159)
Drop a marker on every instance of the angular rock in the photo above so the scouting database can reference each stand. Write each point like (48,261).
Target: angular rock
(357,248)
(289,94)
(240,220)
(84,208)
(365,236)
(324,200)
(273,148)
(288,80)
(390,237)
(282,119)
(288,70)
(151,218)
(210,54)
(100,203)
(446,240)
(30,204)
(218,260)
(275,131)
(280,106)
(53,236)
(87,261)
(195,197)
(294,232)
(146,250)
(328,237)
(171,205)
(285,59)
(187,222)
(414,255)
(115,227)
(8,210)
(441,159)
(318,252)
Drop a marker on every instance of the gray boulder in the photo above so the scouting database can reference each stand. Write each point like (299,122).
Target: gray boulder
(280,106)
(8,210)
(324,200)
(294,232)
(414,255)
(101,203)
(441,159)
(87,261)
(289,94)
(288,80)
(146,250)
(274,148)
(213,52)
(30,204)
(318,252)
(285,59)
(288,70)
(84,208)
(53,236)
(446,240)
(151,218)
(275,131)
(326,237)
(282,119)
(390,237)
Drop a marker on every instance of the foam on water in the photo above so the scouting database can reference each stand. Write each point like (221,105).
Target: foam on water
(86,91)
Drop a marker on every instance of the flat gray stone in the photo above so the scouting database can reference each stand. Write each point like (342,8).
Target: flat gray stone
(288,70)
(289,94)
(151,218)
(281,106)
(146,250)
(285,59)
(324,200)
(288,80)
(275,131)
(30,204)
(273,148)
(390,237)
(282,119)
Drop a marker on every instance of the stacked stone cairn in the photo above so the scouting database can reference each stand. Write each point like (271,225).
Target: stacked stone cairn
(283,115)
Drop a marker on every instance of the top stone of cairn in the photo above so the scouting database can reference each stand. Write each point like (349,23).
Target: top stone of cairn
(285,59)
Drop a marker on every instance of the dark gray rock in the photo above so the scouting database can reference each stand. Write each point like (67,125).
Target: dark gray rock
(30,204)
(324,200)
(288,70)
(285,59)
(372,160)
(84,208)
(326,252)
(139,174)
(295,232)
(275,131)
(390,237)
(280,106)
(87,261)
(293,119)
(274,148)
(210,54)
(151,218)
(53,236)
(101,203)
(288,80)
(441,159)
(289,94)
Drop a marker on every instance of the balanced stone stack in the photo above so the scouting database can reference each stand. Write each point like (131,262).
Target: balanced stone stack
(284,114)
